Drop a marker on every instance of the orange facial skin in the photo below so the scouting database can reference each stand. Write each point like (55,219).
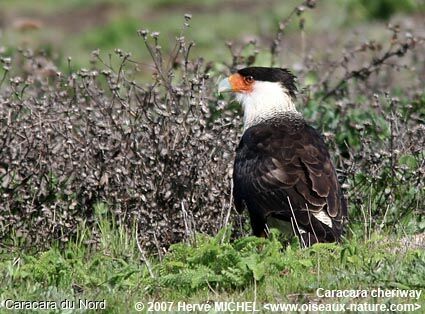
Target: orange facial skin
(241,84)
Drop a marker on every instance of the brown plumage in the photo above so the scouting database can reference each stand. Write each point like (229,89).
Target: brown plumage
(279,166)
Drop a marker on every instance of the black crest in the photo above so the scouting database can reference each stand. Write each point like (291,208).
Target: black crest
(284,76)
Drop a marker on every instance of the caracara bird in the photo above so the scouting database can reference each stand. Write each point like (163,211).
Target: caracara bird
(283,173)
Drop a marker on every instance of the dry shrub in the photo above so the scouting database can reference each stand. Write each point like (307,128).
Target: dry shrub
(153,153)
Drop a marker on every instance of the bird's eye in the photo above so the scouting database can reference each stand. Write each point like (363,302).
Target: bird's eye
(249,79)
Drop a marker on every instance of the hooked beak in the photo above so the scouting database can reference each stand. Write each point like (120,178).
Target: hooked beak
(235,83)
(224,86)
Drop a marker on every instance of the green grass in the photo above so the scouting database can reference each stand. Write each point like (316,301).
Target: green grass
(211,268)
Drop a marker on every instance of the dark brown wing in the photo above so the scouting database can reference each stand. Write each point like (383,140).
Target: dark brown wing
(283,170)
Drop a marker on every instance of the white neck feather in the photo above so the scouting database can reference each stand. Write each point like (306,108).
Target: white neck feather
(267,100)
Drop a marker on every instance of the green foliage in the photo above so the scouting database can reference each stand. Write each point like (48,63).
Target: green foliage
(56,273)
(385,167)
(350,124)
(112,35)
(224,266)
(211,262)
(231,270)
(382,9)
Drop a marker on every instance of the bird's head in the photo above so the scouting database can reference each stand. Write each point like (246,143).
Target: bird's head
(263,92)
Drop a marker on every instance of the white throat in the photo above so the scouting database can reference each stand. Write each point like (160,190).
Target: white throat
(266,100)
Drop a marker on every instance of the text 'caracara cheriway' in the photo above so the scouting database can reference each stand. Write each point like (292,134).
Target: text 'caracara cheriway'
(283,173)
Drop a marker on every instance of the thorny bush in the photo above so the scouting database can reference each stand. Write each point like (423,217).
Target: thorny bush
(161,154)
